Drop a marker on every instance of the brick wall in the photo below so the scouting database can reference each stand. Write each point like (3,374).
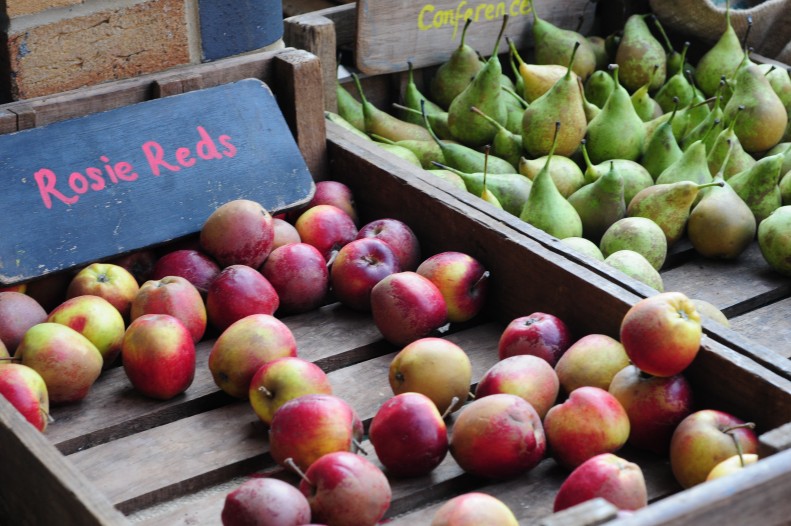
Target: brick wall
(59,45)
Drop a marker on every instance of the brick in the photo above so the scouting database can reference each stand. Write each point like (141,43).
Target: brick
(230,27)
(15,8)
(108,45)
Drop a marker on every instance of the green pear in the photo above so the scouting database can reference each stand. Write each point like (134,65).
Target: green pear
(721,225)
(758,186)
(634,265)
(381,123)
(452,177)
(635,176)
(456,73)
(438,120)
(638,54)
(412,99)
(599,86)
(727,149)
(337,119)
(774,240)
(783,148)
(701,129)
(676,87)
(661,149)
(675,61)
(349,108)
(486,194)
(644,105)
(780,80)
(546,209)
(584,246)
(721,59)
(785,188)
(511,189)
(691,166)
(599,46)
(566,174)
(536,78)
(505,144)
(600,204)
(427,152)
(399,151)
(553,45)
(639,234)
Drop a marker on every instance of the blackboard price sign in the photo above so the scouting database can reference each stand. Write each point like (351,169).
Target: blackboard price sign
(109,183)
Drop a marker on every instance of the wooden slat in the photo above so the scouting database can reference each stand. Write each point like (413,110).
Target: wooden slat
(768,326)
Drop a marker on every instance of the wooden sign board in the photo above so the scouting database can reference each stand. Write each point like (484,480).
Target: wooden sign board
(93,187)
(389,34)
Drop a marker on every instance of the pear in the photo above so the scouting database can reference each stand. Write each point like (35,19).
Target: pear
(485,92)
(412,99)
(598,87)
(452,177)
(722,59)
(399,151)
(783,148)
(758,186)
(702,128)
(599,46)
(667,205)
(661,149)
(676,87)
(774,240)
(780,81)
(634,265)
(566,174)
(727,144)
(584,246)
(674,60)
(638,53)
(349,108)
(785,188)
(337,119)
(562,103)
(486,194)
(546,209)
(511,189)
(591,110)
(691,166)
(710,311)
(427,152)
(505,144)
(617,132)
(438,120)
(537,79)
(644,105)
(764,118)
(381,123)
(553,45)
(600,204)
(639,234)
(634,176)
(456,73)
(514,62)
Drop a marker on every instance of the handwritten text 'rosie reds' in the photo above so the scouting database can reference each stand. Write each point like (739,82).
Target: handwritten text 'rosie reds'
(94,178)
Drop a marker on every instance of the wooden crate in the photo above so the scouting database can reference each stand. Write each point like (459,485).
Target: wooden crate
(756,299)
(119,458)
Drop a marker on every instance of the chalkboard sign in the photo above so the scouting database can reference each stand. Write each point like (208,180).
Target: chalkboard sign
(89,188)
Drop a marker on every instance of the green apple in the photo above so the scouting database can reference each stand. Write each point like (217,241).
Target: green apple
(592,360)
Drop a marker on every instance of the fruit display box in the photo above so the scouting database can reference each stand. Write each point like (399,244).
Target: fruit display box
(118,458)
(755,298)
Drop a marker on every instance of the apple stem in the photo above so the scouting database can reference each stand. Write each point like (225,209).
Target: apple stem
(332,257)
(445,328)
(266,391)
(359,447)
(10,359)
(453,403)
(50,419)
(483,277)
(293,465)
(748,425)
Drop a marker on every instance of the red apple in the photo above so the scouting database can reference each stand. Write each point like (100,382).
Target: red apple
(175,296)
(239,232)
(524,375)
(435,367)
(327,228)
(139,263)
(406,306)
(655,405)
(606,476)
(662,333)
(26,390)
(397,234)
(359,265)
(299,275)
(193,265)
(239,291)
(95,318)
(158,354)
(498,436)
(462,280)
(592,360)
(18,313)
(409,436)
(283,379)
(244,347)
(112,282)
(265,502)
(67,361)
(591,421)
(337,194)
(540,334)
(285,233)
(473,509)
(345,489)
(312,425)
(704,439)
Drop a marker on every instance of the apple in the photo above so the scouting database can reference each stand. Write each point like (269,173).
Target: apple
(435,367)
(4,354)
(473,509)
(524,375)
(710,311)
(244,347)
(498,436)
(732,465)
(346,489)
(655,405)
(26,390)
(591,421)
(462,280)
(704,439)
(239,232)
(299,275)
(139,263)
(19,287)
(175,296)
(283,379)
(540,334)
(49,290)
(193,265)
(265,502)
(592,360)
(18,313)
(406,306)
(285,233)
(312,425)
(359,265)
(661,333)
(95,318)
(337,194)
(239,291)
(327,228)
(606,476)
(158,355)
(397,234)
(67,361)
(112,282)
(409,435)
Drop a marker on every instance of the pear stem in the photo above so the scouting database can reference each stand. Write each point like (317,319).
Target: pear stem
(464,32)
(661,30)
(514,52)
(427,124)
(293,465)
(514,94)
(571,60)
(487,118)
(500,36)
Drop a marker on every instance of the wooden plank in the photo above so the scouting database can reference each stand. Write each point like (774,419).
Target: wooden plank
(299,7)
(316,34)
(391,33)
(768,326)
